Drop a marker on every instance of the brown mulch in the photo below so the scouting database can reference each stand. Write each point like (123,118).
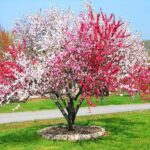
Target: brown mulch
(76,130)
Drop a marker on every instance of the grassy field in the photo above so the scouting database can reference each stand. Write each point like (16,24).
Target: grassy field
(125,131)
(33,105)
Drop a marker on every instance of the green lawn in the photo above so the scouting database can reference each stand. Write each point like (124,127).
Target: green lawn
(125,131)
(33,105)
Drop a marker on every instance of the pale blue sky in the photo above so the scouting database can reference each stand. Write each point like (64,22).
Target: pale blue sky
(137,12)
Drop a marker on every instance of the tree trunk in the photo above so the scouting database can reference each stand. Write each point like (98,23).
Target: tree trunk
(69,111)
(71,119)
(70,124)
(71,114)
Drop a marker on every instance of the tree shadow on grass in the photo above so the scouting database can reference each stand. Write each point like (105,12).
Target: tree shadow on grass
(113,126)
(25,136)
(20,136)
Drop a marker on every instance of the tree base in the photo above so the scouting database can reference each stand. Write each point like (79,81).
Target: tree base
(78,133)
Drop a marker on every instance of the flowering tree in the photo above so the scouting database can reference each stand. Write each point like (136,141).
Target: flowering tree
(88,57)
(44,34)
(8,71)
(20,74)
(134,66)
(43,31)
(89,62)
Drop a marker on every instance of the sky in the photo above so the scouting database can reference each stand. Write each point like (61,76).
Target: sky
(137,12)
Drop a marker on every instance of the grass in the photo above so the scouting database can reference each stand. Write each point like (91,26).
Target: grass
(125,131)
(33,105)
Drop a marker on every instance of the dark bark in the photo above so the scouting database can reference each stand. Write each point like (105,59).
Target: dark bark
(70,122)
(58,104)
(71,109)
(71,114)
(61,109)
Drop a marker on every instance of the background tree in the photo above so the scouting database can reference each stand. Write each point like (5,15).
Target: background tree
(21,74)
(9,70)
(5,41)
(135,61)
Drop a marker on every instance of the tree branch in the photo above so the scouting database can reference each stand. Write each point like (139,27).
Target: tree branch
(78,94)
(60,106)
(78,105)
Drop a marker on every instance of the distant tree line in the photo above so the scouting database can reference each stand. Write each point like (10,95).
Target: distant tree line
(147,45)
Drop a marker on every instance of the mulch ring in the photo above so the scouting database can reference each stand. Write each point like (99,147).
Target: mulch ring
(79,133)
